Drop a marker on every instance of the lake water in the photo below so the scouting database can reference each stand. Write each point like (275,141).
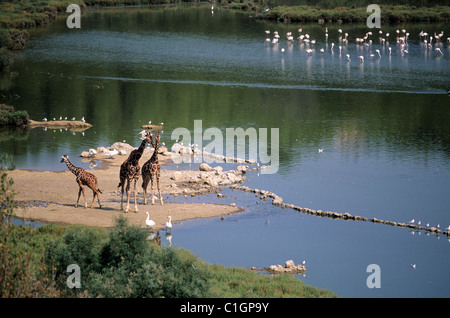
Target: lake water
(383,126)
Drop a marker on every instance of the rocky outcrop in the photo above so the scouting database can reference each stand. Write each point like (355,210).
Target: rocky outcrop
(278,201)
(212,176)
(288,268)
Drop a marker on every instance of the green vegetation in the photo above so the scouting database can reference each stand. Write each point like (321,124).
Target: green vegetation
(345,11)
(389,14)
(8,116)
(120,262)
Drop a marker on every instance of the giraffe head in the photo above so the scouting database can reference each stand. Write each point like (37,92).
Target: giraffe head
(65,158)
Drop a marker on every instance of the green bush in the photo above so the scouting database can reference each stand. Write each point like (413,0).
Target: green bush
(125,264)
(10,117)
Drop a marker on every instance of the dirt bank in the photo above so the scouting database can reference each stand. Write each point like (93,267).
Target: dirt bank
(51,196)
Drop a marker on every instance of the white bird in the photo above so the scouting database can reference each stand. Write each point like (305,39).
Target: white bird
(111,153)
(447,228)
(413,266)
(411,221)
(82,119)
(168,224)
(148,222)
(303,262)
(73,118)
(45,119)
(320,150)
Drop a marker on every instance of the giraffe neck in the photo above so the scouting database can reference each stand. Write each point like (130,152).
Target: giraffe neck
(154,157)
(75,170)
(137,153)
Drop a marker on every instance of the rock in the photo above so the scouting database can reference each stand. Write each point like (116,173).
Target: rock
(289,264)
(218,169)
(289,267)
(205,167)
(177,176)
(122,146)
(277,200)
(162,149)
(242,168)
(85,154)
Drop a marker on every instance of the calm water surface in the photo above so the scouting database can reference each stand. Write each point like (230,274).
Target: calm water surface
(382,125)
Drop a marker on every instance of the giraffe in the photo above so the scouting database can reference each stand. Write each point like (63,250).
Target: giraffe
(130,171)
(151,170)
(83,178)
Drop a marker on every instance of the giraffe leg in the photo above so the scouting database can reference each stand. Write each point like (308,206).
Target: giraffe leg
(121,199)
(159,189)
(135,199)
(151,191)
(79,193)
(128,195)
(95,193)
(93,198)
(84,196)
(144,187)
(98,198)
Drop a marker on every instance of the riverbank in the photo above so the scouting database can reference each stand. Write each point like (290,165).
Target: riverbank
(51,196)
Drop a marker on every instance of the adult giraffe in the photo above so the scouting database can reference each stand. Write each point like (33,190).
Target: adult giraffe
(130,171)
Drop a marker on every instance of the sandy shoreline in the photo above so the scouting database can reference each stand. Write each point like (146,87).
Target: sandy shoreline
(56,194)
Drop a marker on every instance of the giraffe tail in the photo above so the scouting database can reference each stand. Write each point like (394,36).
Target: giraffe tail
(100,191)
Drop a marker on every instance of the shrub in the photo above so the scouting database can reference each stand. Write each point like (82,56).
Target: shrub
(10,117)
(125,264)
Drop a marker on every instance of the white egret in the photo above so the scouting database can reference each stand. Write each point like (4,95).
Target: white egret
(168,224)
(148,222)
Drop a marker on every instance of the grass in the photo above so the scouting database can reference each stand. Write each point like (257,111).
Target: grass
(234,282)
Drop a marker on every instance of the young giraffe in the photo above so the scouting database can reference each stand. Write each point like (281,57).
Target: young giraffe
(151,170)
(130,171)
(83,178)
